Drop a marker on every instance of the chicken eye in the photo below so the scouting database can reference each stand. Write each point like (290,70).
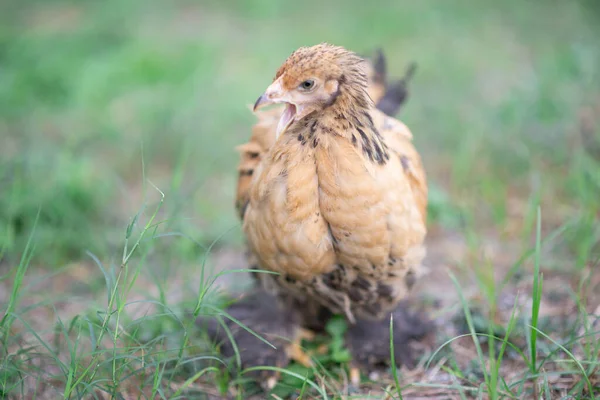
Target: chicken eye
(307,85)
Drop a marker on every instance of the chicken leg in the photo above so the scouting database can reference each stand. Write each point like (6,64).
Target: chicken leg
(369,341)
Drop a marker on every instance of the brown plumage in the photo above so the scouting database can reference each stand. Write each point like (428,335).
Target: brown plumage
(333,197)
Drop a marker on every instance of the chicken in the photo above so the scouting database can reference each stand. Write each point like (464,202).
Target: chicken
(331,191)
(337,205)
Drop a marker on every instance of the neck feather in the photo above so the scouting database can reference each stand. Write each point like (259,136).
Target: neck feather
(349,116)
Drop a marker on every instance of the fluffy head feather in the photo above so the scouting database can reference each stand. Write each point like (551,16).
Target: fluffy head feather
(324,61)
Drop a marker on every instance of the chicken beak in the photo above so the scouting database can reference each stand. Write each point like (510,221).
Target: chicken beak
(262,101)
(276,95)
(272,95)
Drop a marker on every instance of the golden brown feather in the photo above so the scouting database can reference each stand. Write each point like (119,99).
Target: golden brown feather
(337,203)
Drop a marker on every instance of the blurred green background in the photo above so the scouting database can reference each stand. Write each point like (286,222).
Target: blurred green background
(102,102)
(97,97)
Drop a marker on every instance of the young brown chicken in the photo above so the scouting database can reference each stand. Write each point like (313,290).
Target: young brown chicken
(331,190)
(337,206)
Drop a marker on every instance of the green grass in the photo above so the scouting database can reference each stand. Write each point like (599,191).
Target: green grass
(102,275)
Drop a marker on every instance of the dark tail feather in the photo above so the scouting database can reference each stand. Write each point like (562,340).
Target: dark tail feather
(410,71)
(396,93)
(379,64)
(377,59)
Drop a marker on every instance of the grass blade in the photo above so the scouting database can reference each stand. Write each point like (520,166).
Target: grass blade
(536,294)
(393,359)
(471,326)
